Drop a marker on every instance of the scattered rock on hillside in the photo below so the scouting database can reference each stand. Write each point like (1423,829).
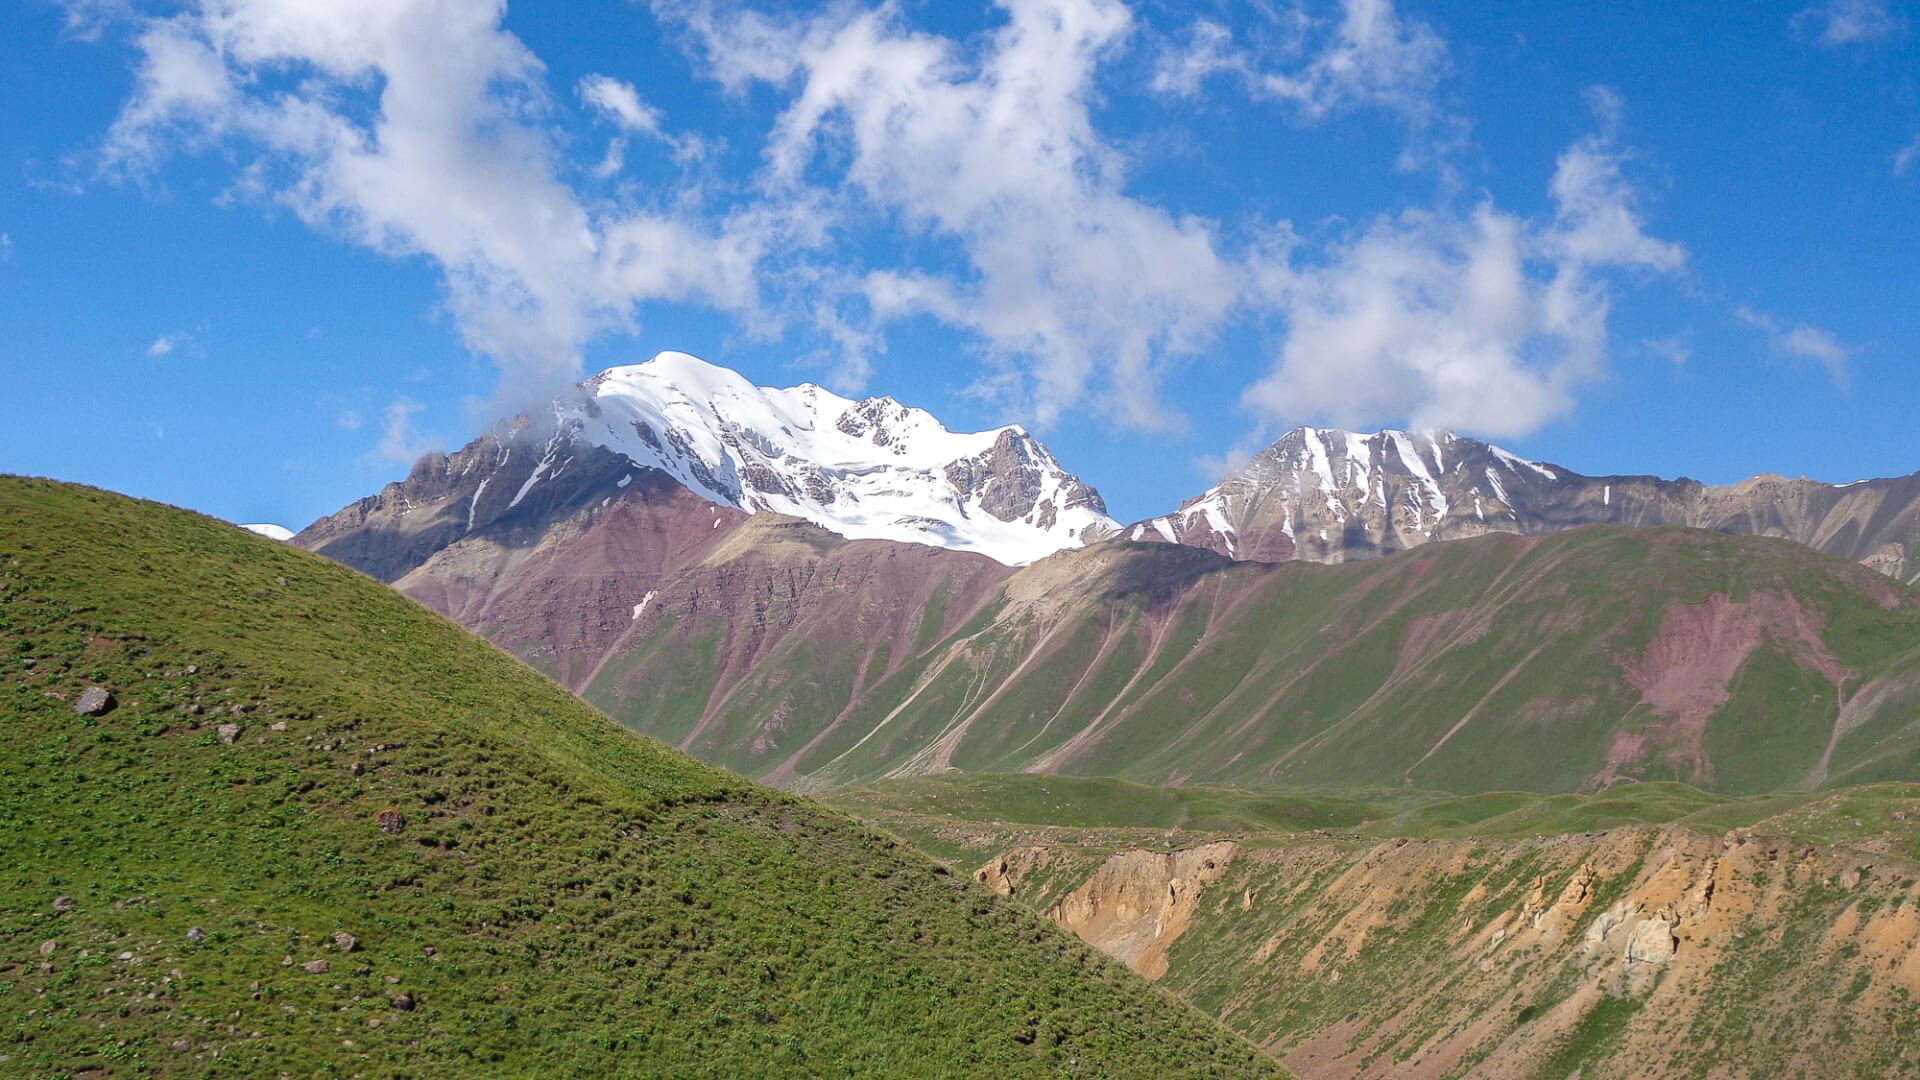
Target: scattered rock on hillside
(181,1046)
(94,701)
(196,935)
(390,821)
(64,904)
(48,946)
(229,733)
(345,942)
(316,967)
(403,1002)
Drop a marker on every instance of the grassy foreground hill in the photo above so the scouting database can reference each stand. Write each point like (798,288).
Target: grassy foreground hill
(324,832)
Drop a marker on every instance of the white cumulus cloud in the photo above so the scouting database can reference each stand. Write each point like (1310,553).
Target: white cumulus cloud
(1480,321)
(908,175)
(418,128)
(1075,286)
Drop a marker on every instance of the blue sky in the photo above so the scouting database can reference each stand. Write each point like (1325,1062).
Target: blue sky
(255,255)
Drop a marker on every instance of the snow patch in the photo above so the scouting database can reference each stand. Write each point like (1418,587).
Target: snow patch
(270,530)
(1499,490)
(1517,463)
(474,503)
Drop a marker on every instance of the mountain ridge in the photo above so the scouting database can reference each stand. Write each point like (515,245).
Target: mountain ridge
(870,469)
(1338,496)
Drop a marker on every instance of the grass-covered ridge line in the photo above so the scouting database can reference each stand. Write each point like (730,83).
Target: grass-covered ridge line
(933,810)
(561,897)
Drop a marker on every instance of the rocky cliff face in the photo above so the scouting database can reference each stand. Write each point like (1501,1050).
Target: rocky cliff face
(1337,496)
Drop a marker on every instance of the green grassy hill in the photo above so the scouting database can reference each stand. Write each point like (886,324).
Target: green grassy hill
(298,752)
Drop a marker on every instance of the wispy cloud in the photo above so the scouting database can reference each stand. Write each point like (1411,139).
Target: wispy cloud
(1802,341)
(422,129)
(1365,56)
(6,247)
(400,443)
(620,102)
(1907,155)
(1839,23)
(167,344)
(1675,349)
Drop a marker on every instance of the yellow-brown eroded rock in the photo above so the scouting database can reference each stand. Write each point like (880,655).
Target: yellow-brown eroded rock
(1139,902)
(1636,952)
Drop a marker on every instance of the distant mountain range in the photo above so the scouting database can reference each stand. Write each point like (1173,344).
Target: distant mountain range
(1338,496)
(723,566)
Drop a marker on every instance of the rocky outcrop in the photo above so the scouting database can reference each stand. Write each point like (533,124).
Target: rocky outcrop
(1136,905)
(1007,872)
(1652,941)
(1018,480)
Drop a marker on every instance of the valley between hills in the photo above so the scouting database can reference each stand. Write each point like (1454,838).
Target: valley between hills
(1392,755)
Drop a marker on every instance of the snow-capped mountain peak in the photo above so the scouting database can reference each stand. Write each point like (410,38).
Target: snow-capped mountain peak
(867,469)
(1327,495)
